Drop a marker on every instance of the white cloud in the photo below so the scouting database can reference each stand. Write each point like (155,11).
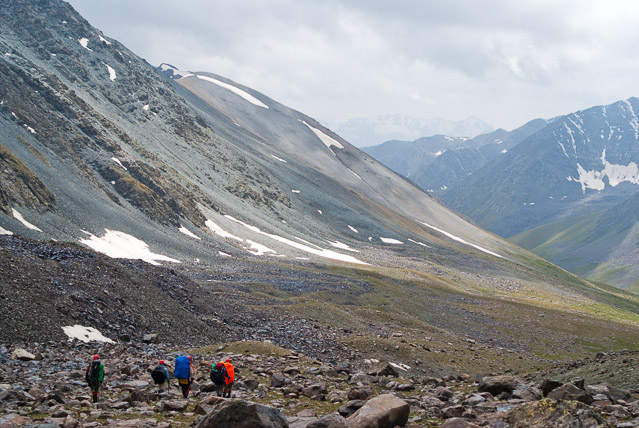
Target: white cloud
(342,59)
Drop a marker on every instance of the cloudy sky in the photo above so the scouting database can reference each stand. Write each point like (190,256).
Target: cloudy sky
(503,61)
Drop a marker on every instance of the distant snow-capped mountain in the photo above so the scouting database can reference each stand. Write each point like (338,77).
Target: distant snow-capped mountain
(366,132)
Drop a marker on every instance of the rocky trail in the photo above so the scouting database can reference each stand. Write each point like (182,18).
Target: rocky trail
(43,386)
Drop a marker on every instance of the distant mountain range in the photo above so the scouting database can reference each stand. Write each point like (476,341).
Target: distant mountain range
(366,132)
(531,184)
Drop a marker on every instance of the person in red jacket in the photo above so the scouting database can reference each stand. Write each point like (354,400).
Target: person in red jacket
(230,372)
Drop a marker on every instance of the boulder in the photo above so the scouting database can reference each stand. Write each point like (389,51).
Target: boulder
(546,413)
(277,380)
(572,393)
(548,385)
(315,390)
(498,384)
(383,368)
(383,411)
(458,423)
(243,414)
(251,384)
(173,405)
(614,394)
(359,394)
(22,355)
(150,338)
(453,411)
(351,407)
(329,421)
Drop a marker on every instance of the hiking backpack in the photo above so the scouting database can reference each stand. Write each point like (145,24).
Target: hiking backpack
(182,367)
(218,376)
(93,373)
(158,374)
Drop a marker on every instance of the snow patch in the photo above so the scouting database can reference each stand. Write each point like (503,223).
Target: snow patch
(221,232)
(295,191)
(504,151)
(343,246)
(21,219)
(318,252)
(121,245)
(320,211)
(328,141)
(116,160)
(391,241)
(5,231)
(353,229)
(146,107)
(112,75)
(102,39)
(223,254)
(177,74)
(30,129)
(419,243)
(187,232)
(354,173)
(400,366)
(85,334)
(248,97)
(259,249)
(279,159)
(463,241)
(439,153)
(616,175)
(84,42)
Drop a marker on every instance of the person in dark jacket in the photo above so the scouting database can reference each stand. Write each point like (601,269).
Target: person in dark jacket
(94,376)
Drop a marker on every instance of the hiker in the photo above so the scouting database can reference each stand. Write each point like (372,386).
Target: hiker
(94,376)
(184,373)
(219,377)
(160,376)
(230,378)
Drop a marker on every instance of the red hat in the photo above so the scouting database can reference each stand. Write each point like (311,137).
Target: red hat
(96,357)
(228,360)
(162,362)
(189,357)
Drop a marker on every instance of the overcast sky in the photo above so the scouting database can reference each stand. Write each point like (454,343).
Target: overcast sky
(505,62)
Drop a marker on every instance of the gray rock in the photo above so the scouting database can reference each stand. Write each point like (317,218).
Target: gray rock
(383,368)
(329,421)
(243,414)
(383,411)
(22,355)
(572,393)
(498,384)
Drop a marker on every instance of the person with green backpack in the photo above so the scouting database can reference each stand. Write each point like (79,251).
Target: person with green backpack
(94,377)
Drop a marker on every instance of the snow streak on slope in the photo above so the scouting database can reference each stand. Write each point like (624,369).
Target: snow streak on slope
(328,141)
(318,252)
(248,97)
(458,239)
(21,219)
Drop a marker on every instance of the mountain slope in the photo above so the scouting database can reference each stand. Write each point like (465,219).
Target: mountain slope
(580,164)
(256,201)
(437,163)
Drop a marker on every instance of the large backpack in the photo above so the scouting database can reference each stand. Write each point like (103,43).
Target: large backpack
(218,376)
(158,374)
(93,373)
(182,367)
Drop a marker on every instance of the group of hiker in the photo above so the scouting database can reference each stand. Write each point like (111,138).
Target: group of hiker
(222,375)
